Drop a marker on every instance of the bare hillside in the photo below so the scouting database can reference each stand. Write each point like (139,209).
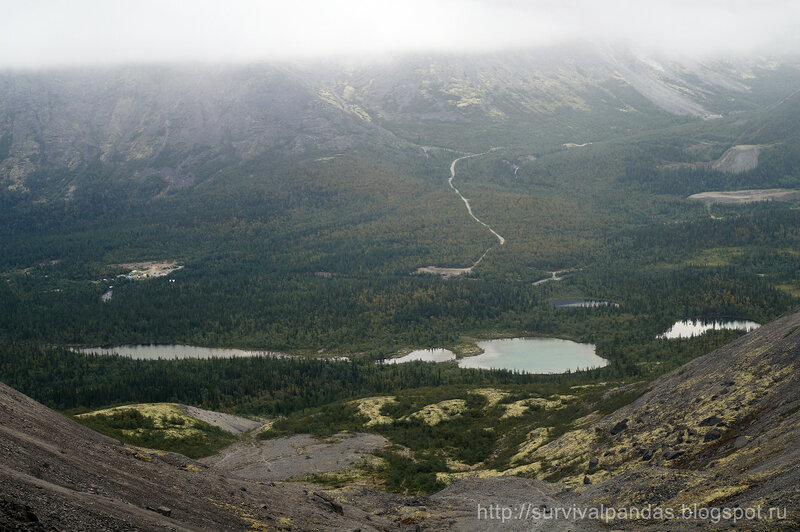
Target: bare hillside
(58,475)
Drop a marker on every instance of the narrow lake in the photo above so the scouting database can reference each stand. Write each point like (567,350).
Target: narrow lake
(171,352)
(689,328)
(582,303)
(530,355)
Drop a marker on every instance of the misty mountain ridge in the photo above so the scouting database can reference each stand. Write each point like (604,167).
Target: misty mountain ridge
(175,125)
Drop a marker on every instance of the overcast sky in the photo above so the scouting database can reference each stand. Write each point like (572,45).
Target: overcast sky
(36,33)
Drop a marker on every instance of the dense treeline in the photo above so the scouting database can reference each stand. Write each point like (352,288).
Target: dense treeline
(65,379)
(380,316)
(704,268)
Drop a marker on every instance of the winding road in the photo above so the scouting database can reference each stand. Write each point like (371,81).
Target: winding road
(466,201)
(450,272)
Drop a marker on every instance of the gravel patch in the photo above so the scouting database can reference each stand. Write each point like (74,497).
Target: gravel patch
(293,456)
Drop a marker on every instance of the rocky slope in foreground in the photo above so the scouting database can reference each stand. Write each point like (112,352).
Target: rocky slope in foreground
(722,432)
(57,474)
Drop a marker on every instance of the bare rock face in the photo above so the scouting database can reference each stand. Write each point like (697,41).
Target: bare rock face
(57,474)
(738,159)
(619,427)
(713,434)
(17,516)
(292,456)
(720,431)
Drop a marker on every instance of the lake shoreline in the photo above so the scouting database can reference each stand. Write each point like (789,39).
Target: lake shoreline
(534,355)
(177,352)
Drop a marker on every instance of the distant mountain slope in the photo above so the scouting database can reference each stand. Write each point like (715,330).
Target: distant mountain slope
(579,78)
(778,123)
(57,474)
(165,122)
(179,124)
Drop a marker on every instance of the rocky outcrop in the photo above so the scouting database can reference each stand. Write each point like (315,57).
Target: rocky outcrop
(720,431)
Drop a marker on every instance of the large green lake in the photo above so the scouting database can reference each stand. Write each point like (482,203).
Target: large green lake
(529,355)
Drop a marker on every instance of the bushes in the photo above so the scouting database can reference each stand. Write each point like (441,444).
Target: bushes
(194,439)
(402,474)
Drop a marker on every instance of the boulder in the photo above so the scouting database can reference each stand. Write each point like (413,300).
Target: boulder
(672,454)
(710,421)
(163,510)
(619,427)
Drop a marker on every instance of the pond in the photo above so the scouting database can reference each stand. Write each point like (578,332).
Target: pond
(425,355)
(534,355)
(689,328)
(529,355)
(582,303)
(171,352)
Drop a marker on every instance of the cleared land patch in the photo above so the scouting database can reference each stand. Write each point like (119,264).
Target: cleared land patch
(735,160)
(747,196)
(148,270)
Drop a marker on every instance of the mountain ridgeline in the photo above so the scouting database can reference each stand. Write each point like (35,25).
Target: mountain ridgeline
(175,126)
